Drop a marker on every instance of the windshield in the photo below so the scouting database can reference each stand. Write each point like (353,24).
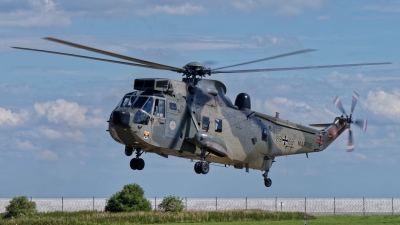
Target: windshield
(127,100)
(149,105)
(140,102)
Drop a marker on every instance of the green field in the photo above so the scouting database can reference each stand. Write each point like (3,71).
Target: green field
(246,217)
(326,220)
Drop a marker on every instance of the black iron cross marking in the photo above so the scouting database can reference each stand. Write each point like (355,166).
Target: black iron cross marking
(285,140)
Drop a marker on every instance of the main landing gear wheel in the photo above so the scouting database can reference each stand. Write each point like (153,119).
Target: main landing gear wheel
(267,182)
(205,167)
(201,167)
(197,168)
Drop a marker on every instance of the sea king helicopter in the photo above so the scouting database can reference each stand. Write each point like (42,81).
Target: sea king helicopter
(194,118)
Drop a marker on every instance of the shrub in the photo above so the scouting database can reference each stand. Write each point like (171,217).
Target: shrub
(19,207)
(171,204)
(130,199)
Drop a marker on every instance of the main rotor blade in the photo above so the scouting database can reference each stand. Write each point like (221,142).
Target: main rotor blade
(362,124)
(350,143)
(354,102)
(148,63)
(298,68)
(320,124)
(269,58)
(339,105)
(86,57)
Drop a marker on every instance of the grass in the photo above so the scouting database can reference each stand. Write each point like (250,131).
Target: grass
(153,217)
(238,217)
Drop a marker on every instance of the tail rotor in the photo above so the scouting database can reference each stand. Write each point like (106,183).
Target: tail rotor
(348,120)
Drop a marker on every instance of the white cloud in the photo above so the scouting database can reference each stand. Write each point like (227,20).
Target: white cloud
(279,102)
(46,155)
(61,134)
(70,113)
(184,9)
(9,118)
(287,8)
(40,13)
(22,145)
(380,8)
(323,17)
(384,104)
(295,111)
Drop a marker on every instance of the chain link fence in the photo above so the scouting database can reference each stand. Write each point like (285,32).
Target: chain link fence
(314,206)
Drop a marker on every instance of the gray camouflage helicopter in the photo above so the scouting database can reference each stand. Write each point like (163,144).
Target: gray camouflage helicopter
(194,118)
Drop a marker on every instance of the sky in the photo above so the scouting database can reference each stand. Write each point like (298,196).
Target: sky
(53,109)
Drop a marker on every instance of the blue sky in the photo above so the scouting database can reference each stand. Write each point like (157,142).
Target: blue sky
(53,109)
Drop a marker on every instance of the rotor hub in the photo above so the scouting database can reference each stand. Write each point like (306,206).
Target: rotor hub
(194,69)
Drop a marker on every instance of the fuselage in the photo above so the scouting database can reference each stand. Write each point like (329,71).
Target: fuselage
(176,118)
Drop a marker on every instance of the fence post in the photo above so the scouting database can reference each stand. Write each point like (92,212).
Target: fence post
(93,203)
(363,207)
(186,202)
(276,204)
(216,203)
(392,207)
(281,206)
(246,203)
(62,204)
(155,203)
(305,205)
(334,206)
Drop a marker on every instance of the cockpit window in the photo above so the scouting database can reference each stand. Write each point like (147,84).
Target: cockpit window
(148,106)
(141,118)
(125,101)
(128,100)
(140,102)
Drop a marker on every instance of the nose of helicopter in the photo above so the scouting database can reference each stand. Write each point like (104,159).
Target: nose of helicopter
(120,118)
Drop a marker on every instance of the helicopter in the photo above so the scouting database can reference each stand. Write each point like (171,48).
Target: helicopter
(194,119)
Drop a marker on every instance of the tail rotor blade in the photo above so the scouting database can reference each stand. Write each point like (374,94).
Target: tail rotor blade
(339,105)
(362,124)
(354,102)
(350,143)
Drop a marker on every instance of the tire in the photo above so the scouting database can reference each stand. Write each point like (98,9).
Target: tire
(133,164)
(267,182)
(128,151)
(197,168)
(139,164)
(205,167)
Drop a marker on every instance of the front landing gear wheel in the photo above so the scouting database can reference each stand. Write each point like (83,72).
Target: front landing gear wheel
(139,164)
(267,182)
(133,163)
(205,167)
(197,168)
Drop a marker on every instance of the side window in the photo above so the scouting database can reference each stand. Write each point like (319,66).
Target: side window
(218,125)
(173,106)
(159,108)
(264,135)
(206,123)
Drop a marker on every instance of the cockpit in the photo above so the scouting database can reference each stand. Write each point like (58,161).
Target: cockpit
(144,105)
